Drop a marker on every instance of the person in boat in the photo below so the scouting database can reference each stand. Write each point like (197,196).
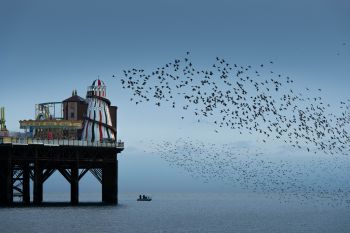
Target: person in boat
(144,197)
(140,197)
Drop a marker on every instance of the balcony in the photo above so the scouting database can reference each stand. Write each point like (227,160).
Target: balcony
(60,142)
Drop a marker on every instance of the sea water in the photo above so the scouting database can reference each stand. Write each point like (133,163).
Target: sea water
(180,212)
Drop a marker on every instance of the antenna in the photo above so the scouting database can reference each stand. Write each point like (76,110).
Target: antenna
(2,119)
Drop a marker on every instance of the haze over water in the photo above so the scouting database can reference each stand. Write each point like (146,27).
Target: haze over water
(181,212)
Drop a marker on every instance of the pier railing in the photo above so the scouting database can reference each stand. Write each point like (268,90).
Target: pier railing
(59,142)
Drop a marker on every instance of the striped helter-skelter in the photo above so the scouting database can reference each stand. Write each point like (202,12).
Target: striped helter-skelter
(98,125)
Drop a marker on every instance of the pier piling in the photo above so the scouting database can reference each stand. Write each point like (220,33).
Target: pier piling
(20,163)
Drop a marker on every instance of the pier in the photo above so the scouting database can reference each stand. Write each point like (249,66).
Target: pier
(22,160)
(72,137)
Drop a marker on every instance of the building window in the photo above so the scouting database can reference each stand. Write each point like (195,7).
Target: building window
(72,115)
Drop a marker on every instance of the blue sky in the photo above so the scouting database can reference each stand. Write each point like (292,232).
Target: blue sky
(49,48)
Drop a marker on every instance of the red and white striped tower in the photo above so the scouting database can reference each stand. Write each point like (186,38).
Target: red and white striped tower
(98,125)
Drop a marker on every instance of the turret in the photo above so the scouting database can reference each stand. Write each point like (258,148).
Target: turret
(98,126)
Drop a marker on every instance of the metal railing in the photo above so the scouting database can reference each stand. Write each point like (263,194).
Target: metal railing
(59,142)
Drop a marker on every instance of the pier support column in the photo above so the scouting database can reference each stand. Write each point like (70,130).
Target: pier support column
(2,184)
(110,183)
(74,185)
(6,190)
(116,181)
(38,185)
(8,182)
(26,183)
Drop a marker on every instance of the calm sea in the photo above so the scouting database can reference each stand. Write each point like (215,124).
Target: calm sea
(181,213)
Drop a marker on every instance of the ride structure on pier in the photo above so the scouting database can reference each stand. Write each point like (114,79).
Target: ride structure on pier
(72,144)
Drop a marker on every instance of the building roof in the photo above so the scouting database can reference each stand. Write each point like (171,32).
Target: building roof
(74,98)
(98,82)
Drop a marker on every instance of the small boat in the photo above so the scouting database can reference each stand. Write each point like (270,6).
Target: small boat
(144,198)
